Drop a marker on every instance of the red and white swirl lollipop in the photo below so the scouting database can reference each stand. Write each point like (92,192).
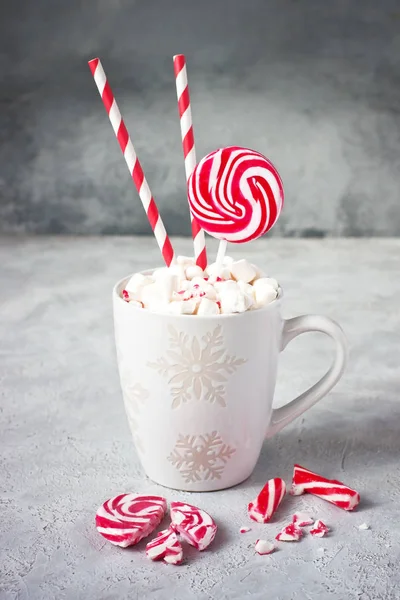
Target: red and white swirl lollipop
(125,519)
(235,194)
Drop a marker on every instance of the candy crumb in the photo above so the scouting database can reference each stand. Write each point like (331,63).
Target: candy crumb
(302,519)
(263,547)
(290,533)
(244,529)
(364,526)
(319,529)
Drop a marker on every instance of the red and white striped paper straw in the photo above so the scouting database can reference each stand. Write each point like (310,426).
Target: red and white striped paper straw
(132,161)
(189,152)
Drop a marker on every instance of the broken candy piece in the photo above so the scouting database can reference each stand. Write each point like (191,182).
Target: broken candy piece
(264,547)
(302,519)
(364,526)
(244,529)
(263,507)
(165,546)
(125,519)
(319,529)
(195,525)
(290,533)
(330,490)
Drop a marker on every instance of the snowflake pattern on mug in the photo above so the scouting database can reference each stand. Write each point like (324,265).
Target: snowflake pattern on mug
(200,457)
(197,369)
(134,397)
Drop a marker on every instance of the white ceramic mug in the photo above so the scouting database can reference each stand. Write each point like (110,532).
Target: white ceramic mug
(198,391)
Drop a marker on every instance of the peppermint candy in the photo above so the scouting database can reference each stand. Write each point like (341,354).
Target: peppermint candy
(194,524)
(263,547)
(263,507)
(290,533)
(330,490)
(319,529)
(165,546)
(125,519)
(235,194)
(302,519)
(244,529)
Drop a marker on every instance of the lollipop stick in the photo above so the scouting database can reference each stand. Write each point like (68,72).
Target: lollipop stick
(221,255)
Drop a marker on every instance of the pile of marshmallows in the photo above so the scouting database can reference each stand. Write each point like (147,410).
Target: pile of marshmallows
(185,289)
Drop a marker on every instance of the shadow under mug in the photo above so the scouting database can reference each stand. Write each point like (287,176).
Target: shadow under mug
(199,390)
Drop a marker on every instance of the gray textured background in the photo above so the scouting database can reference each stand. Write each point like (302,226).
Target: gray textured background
(66,447)
(313,85)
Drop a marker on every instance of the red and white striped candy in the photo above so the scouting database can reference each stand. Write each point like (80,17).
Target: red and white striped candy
(236,194)
(302,519)
(330,490)
(196,526)
(263,507)
(125,519)
(319,529)
(290,533)
(165,546)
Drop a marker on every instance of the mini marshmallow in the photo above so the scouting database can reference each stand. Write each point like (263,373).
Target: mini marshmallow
(182,307)
(188,295)
(136,282)
(214,271)
(204,290)
(157,295)
(135,303)
(158,273)
(210,292)
(258,271)
(152,298)
(246,288)
(234,301)
(224,286)
(190,307)
(194,271)
(207,307)
(178,271)
(168,284)
(227,261)
(242,270)
(175,270)
(364,526)
(185,260)
(270,280)
(185,285)
(264,293)
(199,281)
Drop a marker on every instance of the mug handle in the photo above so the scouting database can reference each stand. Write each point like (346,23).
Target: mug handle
(291,329)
